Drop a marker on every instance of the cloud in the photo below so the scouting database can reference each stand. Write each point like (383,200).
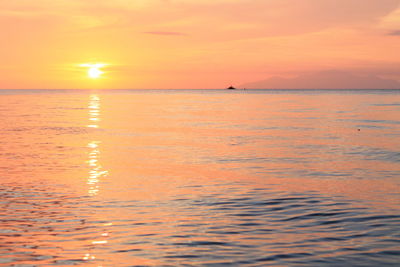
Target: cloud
(391,22)
(243,19)
(394,33)
(211,19)
(326,80)
(166,33)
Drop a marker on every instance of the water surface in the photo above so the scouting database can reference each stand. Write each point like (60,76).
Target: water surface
(200,178)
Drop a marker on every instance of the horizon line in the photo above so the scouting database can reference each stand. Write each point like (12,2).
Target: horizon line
(237,89)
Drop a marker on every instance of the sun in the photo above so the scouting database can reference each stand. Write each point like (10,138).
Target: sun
(94,71)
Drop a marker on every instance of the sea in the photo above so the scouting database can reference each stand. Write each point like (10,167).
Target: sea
(200,177)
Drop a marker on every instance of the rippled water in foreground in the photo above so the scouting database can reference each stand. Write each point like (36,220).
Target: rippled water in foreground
(200,178)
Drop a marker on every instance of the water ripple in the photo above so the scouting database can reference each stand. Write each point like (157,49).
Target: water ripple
(227,179)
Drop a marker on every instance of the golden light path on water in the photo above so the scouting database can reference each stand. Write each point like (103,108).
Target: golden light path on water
(96,171)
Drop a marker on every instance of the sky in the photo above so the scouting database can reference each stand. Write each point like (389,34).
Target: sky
(192,43)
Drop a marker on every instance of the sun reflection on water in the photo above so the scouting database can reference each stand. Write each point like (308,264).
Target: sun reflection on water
(96,172)
(94,111)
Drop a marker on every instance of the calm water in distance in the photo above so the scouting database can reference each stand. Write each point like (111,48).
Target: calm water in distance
(200,178)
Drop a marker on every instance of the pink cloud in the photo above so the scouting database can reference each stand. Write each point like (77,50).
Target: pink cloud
(394,33)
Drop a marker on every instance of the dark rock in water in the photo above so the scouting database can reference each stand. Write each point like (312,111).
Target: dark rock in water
(231,87)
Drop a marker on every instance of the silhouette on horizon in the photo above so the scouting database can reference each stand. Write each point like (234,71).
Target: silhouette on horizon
(330,79)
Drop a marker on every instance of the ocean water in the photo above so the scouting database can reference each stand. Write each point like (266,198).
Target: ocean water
(200,178)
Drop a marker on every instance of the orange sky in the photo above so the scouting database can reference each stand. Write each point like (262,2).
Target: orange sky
(193,43)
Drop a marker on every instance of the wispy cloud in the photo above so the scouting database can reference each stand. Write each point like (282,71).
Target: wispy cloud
(394,33)
(166,33)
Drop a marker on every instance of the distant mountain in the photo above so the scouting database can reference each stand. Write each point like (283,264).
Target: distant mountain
(325,80)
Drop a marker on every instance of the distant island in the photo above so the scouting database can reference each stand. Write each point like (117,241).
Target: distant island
(325,80)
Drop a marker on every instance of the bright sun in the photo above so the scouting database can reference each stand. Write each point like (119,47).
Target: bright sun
(94,71)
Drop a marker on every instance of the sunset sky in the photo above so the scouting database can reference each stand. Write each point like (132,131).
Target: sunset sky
(192,43)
